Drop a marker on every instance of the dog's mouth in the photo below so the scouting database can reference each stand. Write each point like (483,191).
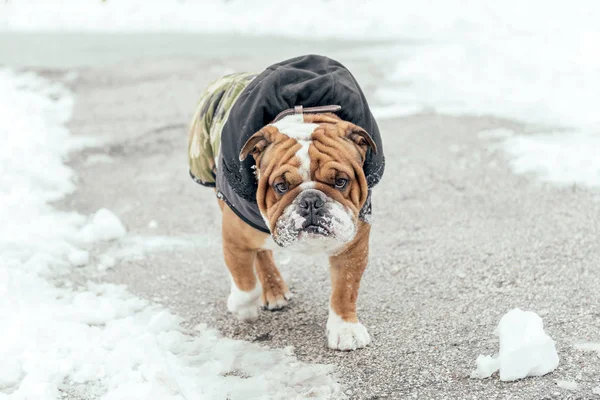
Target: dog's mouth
(316,229)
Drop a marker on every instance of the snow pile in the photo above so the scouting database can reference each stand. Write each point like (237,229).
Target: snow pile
(504,59)
(100,338)
(560,158)
(126,349)
(104,225)
(525,349)
(79,258)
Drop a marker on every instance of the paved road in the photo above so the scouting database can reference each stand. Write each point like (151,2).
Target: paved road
(458,240)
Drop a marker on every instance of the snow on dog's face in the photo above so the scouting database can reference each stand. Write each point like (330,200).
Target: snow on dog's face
(311,184)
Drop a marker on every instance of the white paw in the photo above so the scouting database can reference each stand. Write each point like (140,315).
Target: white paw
(342,335)
(245,305)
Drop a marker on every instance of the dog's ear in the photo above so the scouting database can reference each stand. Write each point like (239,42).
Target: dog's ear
(258,142)
(362,139)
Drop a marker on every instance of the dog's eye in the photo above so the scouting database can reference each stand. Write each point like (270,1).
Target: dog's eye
(281,187)
(340,183)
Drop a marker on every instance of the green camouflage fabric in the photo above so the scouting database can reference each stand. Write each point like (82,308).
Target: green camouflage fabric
(210,117)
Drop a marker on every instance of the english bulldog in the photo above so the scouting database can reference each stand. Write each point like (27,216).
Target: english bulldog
(301,180)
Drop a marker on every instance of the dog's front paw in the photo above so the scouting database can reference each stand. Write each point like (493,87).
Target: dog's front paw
(342,335)
(273,300)
(245,305)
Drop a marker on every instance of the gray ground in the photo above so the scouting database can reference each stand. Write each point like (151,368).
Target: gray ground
(458,240)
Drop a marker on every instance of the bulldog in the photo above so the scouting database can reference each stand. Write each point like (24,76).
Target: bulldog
(293,154)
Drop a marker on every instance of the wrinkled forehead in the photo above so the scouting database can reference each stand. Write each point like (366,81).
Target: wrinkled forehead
(307,145)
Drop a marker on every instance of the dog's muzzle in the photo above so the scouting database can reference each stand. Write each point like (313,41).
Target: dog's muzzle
(315,222)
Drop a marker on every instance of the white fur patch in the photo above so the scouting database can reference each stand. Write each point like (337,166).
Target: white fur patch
(294,127)
(342,335)
(304,157)
(245,305)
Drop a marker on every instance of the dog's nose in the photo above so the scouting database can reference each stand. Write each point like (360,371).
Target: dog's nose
(311,201)
(311,207)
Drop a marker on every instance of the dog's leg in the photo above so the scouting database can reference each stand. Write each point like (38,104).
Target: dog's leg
(244,298)
(344,332)
(275,293)
(240,252)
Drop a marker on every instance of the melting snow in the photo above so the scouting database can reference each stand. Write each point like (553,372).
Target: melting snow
(525,349)
(562,158)
(568,385)
(589,347)
(486,366)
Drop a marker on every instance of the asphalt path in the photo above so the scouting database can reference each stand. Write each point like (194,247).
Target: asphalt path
(458,239)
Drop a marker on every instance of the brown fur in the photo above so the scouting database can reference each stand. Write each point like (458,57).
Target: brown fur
(346,270)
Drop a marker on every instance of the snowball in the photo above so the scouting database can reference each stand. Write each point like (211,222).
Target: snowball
(568,385)
(525,349)
(153,224)
(79,258)
(486,366)
(596,390)
(104,225)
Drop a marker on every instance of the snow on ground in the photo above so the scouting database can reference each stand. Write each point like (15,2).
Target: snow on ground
(563,159)
(509,60)
(536,61)
(560,158)
(525,349)
(567,385)
(589,347)
(99,337)
(136,247)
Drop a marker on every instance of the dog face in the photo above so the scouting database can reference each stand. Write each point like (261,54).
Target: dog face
(311,184)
